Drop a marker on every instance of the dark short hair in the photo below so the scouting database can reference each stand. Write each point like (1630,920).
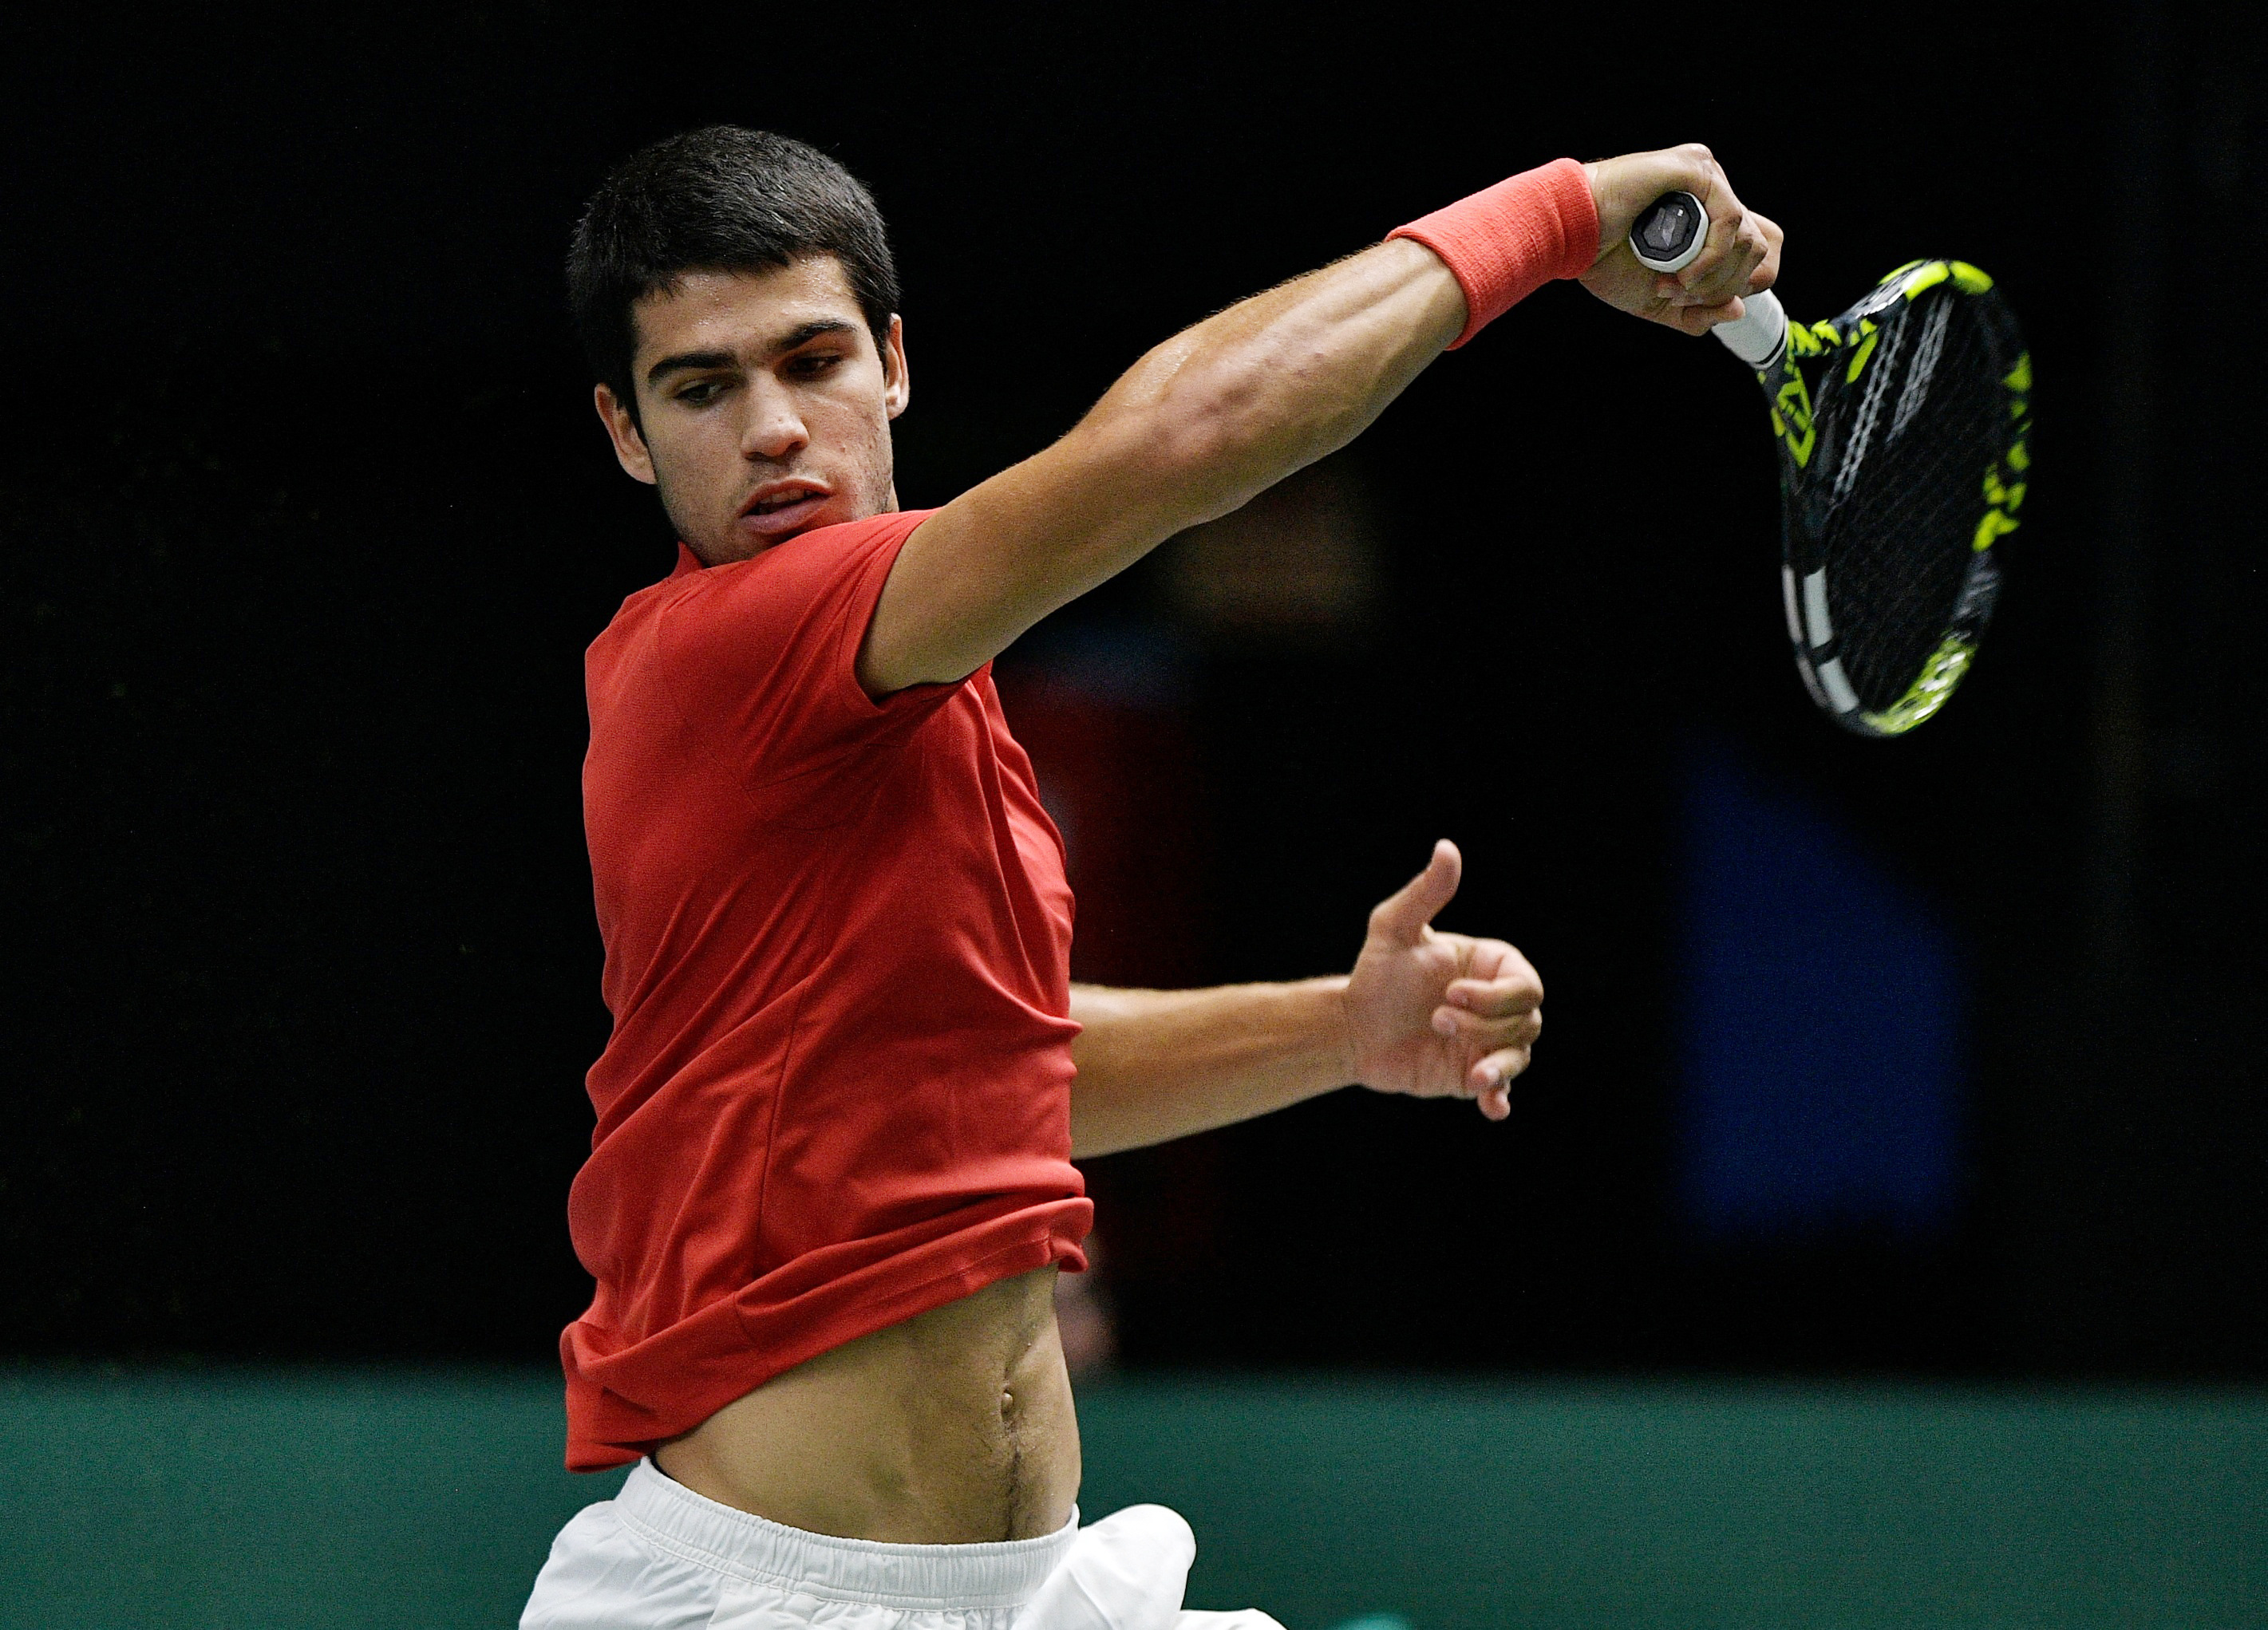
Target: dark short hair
(720,199)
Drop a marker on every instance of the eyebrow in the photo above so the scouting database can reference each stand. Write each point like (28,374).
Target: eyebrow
(688,359)
(802,335)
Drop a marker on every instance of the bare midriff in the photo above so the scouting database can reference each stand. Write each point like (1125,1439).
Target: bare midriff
(953,1427)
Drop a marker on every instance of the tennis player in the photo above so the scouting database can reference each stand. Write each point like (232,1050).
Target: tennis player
(830,1184)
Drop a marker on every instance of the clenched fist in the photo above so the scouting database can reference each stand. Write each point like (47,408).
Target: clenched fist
(1740,256)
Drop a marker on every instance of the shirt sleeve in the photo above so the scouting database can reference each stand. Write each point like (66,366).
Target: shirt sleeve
(762,654)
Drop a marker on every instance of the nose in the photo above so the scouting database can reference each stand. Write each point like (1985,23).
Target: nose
(773,430)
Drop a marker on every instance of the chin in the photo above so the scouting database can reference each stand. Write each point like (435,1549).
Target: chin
(743,537)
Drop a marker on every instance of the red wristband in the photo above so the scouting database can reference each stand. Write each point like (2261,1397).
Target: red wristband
(1504,244)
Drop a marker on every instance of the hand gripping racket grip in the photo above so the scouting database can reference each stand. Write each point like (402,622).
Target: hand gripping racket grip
(1667,236)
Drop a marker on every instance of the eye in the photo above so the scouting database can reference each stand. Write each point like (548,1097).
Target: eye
(701,393)
(812,364)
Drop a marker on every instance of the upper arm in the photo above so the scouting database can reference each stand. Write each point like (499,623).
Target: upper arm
(989,565)
(1092,1005)
(1191,431)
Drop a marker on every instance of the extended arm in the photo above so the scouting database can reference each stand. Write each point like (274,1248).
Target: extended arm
(1155,1065)
(1425,1013)
(1233,405)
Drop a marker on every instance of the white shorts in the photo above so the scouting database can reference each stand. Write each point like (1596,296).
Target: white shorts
(660,1557)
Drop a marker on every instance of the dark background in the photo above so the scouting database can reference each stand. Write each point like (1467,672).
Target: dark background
(306,522)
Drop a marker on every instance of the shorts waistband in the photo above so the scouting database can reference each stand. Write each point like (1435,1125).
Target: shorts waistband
(999,1574)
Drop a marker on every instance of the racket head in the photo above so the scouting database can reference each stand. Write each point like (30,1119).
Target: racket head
(1904,430)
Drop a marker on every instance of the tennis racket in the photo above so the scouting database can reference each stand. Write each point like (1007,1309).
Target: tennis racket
(1904,430)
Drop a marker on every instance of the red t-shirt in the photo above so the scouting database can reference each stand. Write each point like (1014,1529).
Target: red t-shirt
(838,938)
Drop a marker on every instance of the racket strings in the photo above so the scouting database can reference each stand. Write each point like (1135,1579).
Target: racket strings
(1925,364)
(1870,407)
(1895,537)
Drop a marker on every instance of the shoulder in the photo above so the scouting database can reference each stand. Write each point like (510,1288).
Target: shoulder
(638,610)
(815,585)
(801,605)
(822,553)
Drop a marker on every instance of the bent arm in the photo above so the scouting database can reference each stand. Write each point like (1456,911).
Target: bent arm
(1198,426)
(1229,407)
(1155,1065)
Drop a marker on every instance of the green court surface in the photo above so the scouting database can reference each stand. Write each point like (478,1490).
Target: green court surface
(276,1501)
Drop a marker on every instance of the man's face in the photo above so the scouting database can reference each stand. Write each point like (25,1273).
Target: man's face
(764,404)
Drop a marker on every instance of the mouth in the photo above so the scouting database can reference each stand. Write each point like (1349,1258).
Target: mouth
(782,506)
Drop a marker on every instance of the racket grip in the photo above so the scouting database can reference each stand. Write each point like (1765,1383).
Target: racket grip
(1759,334)
(1667,236)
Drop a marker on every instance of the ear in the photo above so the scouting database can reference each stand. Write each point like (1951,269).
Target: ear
(897,384)
(622,429)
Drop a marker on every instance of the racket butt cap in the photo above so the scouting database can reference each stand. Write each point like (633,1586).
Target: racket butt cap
(1670,232)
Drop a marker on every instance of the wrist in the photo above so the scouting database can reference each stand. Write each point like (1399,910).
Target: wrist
(1338,1027)
(1505,242)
